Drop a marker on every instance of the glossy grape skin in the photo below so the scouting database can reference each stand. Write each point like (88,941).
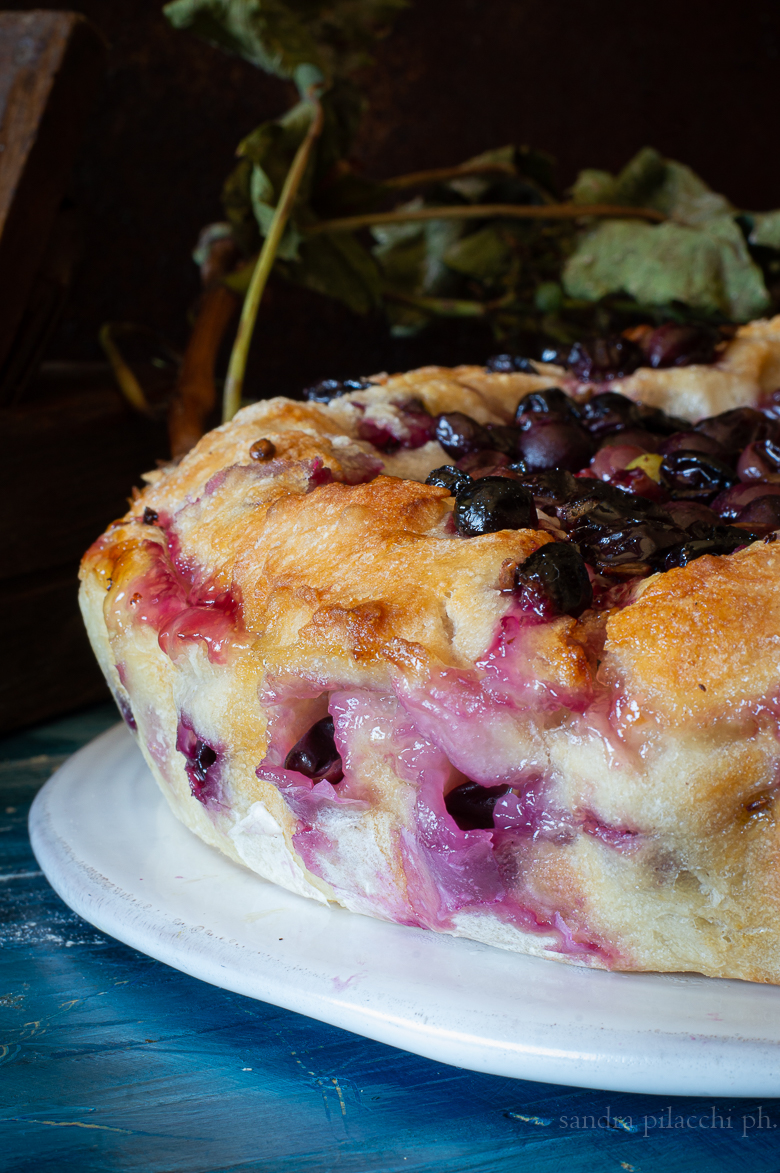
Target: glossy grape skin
(760,460)
(761,515)
(550,488)
(610,412)
(554,581)
(611,542)
(315,754)
(724,539)
(730,503)
(736,428)
(689,514)
(593,495)
(695,476)
(471,805)
(552,401)
(449,477)
(492,504)
(459,434)
(693,442)
(554,443)
(604,358)
(678,344)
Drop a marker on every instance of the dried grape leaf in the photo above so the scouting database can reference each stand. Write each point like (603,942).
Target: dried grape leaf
(280,36)
(765,231)
(709,270)
(338,266)
(483,254)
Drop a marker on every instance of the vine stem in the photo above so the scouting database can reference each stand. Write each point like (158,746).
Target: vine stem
(234,382)
(482,212)
(441,174)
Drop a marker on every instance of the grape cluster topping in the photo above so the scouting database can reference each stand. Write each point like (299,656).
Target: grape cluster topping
(626,490)
(673,344)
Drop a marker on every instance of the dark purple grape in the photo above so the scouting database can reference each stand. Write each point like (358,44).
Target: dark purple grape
(604,358)
(493,504)
(612,501)
(688,441)
(485,463)
(550,488)
(675,344)
(760,460)
(770,405)
(761,515)
(506,364)
(729,505)
(558,355)
(693,476)
(471,805)
(610,412)
(315,755)
(554,444)
(659,422)
(723,539)
(502,438)
(554,581)
(622,545)
(199,757)
(635,437)
(735,429)
(449,477)
(550,402)
(687,514)
(328,389)
(459,434)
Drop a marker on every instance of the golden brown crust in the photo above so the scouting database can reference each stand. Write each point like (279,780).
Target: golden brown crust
(702,643)
(327,578)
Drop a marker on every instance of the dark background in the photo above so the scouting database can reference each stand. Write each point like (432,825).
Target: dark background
(590,81)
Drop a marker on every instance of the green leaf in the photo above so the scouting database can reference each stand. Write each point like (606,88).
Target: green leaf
(766,229)
(648,180)
(339,267)
(594,187)
(483,254)
(237,202)
(269,34)
(656,264)
(686,198)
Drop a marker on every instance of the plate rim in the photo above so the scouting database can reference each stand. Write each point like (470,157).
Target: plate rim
(701,1064)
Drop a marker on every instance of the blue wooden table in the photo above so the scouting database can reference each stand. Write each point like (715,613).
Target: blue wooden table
(112,1061)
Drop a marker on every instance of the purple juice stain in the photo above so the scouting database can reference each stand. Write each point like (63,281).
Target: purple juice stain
(127,713)
(418,424)
(202,765)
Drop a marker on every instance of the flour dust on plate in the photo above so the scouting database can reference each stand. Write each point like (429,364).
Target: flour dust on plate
(112,849)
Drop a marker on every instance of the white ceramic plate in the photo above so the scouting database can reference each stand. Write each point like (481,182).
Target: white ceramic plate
(111,848)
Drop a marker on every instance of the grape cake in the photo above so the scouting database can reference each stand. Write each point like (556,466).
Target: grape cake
(490,651)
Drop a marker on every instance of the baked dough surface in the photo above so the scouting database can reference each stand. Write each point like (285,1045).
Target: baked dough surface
(239,602)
